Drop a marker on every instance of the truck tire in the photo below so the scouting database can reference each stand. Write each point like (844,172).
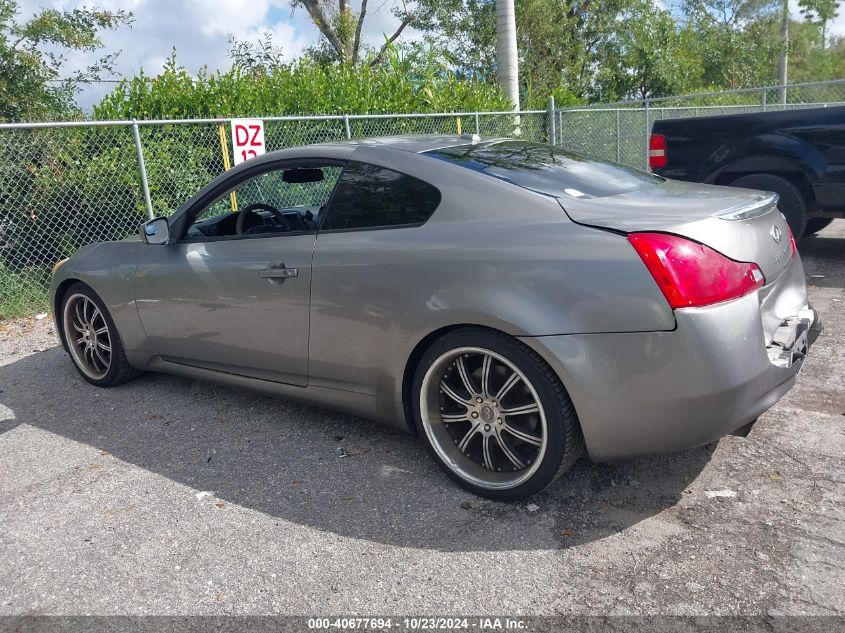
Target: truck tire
(792,203)
(814,225)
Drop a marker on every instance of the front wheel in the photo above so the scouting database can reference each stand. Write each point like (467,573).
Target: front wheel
(92,339)
(494,415)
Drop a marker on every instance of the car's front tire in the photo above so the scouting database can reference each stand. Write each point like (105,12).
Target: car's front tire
(92,339)
(494,415)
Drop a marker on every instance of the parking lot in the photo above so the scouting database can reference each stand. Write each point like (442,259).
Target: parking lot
(168,496)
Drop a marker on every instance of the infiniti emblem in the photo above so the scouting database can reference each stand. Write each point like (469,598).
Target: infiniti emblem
(775,232)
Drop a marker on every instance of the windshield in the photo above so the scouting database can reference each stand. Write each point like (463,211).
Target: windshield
(547,169)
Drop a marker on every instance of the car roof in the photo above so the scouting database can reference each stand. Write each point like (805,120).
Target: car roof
(415,143)
(343,150)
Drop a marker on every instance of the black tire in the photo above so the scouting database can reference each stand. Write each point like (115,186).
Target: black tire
(119,370)
(564,444)
(814,225)
(792,203)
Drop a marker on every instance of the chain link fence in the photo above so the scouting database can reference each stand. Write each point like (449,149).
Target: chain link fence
(66,185)
(619,132)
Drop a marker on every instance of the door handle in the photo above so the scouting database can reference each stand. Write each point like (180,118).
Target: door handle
(278,273)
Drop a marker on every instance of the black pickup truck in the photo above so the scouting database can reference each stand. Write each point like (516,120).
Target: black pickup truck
(799,154)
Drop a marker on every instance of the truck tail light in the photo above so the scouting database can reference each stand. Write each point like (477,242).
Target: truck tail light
(691,274)
(656,151)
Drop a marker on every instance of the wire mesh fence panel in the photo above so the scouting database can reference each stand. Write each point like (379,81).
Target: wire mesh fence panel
(67,186)
(590,133)
(283,134)
(394,126)
(60,189)
(619,132)
(530,126)
(180,159)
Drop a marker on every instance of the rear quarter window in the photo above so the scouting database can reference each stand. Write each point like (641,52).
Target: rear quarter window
(370,197)
(547,169)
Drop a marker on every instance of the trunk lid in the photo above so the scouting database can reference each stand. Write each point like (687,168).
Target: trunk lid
(742,224)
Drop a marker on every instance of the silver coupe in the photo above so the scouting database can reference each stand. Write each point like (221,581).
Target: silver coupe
(512,303)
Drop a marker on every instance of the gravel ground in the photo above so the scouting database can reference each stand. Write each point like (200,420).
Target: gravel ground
(168,496)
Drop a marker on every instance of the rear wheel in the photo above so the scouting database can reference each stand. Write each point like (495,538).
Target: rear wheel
(814,225)
(791,202)
(92,339)
(494,416)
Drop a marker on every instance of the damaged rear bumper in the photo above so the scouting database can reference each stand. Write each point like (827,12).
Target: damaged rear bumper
(793,338)
(645,392)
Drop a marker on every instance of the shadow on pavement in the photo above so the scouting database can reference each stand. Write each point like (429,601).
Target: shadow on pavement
(823,256)
(331,472)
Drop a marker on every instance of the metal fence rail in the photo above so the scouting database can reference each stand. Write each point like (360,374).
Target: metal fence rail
(65,185)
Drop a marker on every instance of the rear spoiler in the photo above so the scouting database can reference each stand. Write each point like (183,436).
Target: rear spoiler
(761,205)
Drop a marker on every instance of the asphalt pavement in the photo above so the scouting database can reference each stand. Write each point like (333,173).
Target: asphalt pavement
(170,496)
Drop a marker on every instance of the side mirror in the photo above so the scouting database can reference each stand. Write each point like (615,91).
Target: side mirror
(156,231)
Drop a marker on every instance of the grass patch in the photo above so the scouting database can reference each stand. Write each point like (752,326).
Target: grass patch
(24,292)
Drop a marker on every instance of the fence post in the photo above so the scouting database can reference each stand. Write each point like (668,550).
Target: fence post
(618,139)
(145,186)
(346,125)
(477,124)
(647,133)
(763,100)
(551,120)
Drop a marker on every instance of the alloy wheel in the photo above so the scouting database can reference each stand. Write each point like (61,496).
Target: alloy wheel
(87,336)
(483,418)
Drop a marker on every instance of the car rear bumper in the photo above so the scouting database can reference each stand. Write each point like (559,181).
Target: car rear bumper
(640,393)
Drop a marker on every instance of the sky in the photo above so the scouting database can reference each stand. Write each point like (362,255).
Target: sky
(199,30)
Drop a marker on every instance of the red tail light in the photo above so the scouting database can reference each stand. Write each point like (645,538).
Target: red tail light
(656,151)
(690,274)
(792,242)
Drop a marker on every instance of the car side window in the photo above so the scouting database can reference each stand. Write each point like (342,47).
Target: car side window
(370,197)
(283,200)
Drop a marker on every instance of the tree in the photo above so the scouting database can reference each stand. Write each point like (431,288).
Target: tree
(255,57)
(33,51)
(577,50)
(648,58)
(820,12)
(340,27)
(464,31)
(738,41)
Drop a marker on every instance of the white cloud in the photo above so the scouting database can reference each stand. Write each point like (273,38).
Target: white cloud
(284,34)
(199,29)
(237,17)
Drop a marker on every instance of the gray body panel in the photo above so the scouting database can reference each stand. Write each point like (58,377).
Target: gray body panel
(341,333)
(204,303)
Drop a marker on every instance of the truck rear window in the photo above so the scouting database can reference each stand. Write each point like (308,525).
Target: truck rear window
(547,169)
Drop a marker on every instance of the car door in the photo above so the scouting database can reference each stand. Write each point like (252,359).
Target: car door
(371,266)
(239,303)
